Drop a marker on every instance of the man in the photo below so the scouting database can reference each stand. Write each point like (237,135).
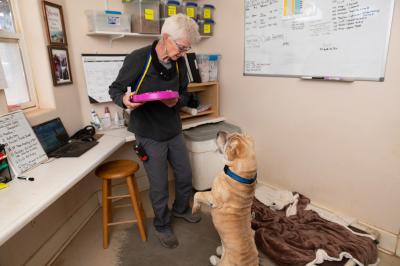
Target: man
(157,125)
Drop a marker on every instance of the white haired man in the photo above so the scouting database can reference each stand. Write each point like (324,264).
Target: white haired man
(157,125)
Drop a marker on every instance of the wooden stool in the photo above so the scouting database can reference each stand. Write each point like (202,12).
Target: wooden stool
(117,170)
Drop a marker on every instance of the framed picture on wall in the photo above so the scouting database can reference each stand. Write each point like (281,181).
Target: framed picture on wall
(60,65)
(54,21)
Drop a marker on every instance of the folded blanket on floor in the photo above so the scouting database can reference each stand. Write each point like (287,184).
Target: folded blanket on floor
(295,240)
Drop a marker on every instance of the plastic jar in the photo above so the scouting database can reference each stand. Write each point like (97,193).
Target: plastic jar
(190,9)
(170,8)
(207,12)
(206,27)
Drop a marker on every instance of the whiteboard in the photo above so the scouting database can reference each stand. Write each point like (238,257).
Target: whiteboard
(329,39)
(100,71)
(24,150)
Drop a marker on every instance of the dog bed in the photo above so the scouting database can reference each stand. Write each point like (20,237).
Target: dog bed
(307,239)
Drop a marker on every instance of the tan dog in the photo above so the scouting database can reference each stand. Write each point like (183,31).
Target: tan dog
(230,198)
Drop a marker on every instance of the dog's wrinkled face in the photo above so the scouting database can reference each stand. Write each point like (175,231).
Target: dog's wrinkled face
(235,146)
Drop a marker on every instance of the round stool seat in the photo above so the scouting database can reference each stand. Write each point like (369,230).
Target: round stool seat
(117,169)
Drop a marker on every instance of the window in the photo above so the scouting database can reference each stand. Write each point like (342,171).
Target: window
(15,78)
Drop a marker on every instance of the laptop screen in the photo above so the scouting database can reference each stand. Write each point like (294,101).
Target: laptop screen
(51,134)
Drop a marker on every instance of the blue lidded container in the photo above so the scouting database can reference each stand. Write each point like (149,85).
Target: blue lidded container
(207,12)
(206,27)
(191,10)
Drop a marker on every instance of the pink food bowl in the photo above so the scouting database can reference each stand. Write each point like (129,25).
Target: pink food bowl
(154,96)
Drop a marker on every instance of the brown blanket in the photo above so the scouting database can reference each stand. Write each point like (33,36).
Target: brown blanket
(294,240)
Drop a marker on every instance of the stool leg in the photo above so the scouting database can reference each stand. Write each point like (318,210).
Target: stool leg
(138,198)
(106,207)
(109,202)
(136,208)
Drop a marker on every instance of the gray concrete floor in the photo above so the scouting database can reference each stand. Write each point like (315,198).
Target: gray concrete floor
(86,248)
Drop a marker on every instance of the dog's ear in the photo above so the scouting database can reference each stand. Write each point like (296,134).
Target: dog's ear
(235,148)
(221,140)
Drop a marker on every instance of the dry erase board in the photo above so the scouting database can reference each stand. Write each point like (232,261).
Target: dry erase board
(335,39)
(100,71)
(23,148)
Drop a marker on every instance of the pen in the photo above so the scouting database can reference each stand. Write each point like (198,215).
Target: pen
(26,178)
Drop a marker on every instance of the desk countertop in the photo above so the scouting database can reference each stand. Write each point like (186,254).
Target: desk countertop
(23,200)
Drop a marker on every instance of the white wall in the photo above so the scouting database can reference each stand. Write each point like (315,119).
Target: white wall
(337,143)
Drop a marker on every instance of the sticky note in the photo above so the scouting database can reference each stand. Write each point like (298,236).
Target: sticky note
(149,14)
(2,185)
(190,12)
(207,28)
(171,11)
(207,13)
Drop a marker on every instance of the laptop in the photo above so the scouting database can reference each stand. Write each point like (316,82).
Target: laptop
(56,142)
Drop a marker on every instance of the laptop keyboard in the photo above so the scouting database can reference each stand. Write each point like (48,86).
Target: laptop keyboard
(74,149)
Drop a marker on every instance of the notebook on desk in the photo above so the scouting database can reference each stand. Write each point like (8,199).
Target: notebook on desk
(56,141)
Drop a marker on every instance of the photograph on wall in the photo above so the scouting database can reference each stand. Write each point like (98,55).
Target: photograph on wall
(54,21)
(60,66)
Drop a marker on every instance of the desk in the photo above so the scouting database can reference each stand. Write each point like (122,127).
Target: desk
(23,200)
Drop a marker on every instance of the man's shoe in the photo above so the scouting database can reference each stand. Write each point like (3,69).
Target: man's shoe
(188,216)
(167,238)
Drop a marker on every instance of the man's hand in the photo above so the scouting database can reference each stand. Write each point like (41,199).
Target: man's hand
(170,102)
(130,105)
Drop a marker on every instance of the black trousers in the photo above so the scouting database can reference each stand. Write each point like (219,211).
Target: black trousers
(160,153)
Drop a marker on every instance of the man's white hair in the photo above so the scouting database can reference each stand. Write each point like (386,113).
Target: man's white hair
(181,27)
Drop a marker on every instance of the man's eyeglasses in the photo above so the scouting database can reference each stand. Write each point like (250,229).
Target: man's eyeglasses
(182,49)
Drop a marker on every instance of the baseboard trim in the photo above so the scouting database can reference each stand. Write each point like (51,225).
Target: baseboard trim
(62,237)
(388,242)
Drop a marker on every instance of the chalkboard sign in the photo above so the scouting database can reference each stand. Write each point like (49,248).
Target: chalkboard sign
(330,39)
(100,71)
(23,148)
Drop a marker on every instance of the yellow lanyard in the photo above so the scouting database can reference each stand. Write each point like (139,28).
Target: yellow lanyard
(147,69)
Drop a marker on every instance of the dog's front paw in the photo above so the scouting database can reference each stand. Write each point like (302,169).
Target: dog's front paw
(196,204)
(196,207)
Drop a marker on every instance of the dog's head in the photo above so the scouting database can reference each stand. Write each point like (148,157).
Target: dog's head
(238,150)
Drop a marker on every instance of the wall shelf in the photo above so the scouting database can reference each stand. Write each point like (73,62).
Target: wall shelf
(118,35)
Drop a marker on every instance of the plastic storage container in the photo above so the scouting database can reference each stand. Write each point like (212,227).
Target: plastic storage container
(108,21)
(191,10)
(207,12)
(145,15)
(169,9)
(213,60)
(204,67)
(205,159)
(206,27)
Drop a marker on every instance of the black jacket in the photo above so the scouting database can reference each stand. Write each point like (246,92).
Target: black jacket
(152,120)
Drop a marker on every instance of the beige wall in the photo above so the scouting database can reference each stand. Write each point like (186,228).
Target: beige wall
(338,143)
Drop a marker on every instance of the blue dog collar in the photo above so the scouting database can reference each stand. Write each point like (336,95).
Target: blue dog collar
(238,178)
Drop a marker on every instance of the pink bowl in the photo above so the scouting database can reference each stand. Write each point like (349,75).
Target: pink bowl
(154,96)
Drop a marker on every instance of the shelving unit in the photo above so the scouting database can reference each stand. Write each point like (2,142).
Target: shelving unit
(208,93)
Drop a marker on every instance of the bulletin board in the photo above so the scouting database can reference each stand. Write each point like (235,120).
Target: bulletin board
(100,71)
(331,39)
